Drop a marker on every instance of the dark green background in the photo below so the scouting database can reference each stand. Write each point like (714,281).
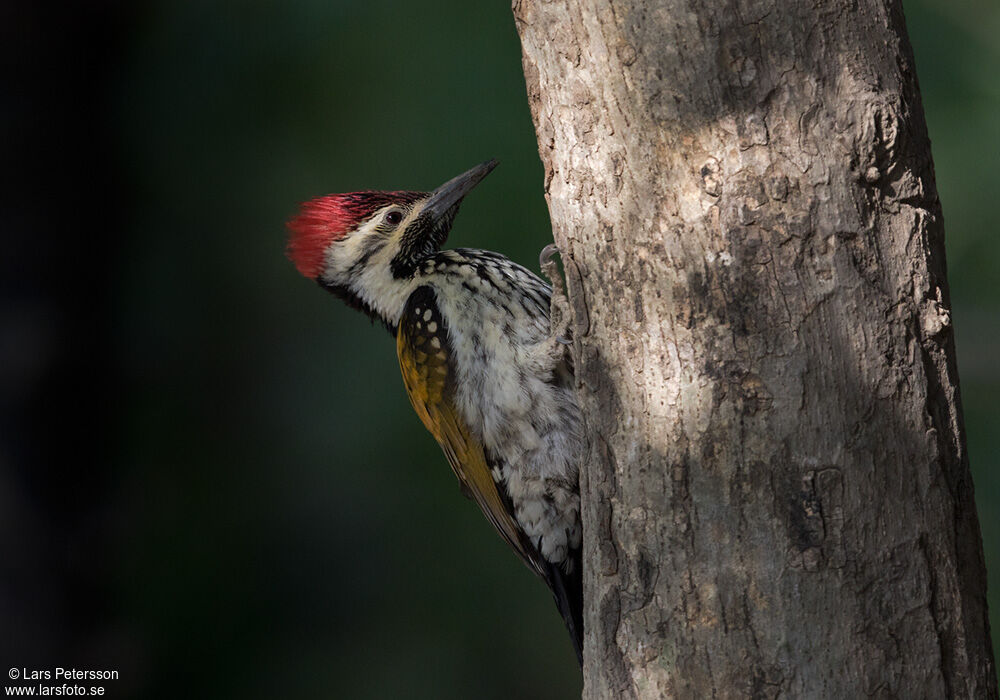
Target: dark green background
(265,516)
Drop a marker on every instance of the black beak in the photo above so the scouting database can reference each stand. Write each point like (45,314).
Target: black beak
(444,198)
(428,233)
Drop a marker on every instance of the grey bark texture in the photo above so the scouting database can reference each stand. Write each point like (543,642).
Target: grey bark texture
(777,500)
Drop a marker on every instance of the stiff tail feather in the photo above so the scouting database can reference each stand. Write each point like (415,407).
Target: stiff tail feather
(567,589)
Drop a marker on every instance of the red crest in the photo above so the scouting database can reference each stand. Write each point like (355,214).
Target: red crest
(323,220)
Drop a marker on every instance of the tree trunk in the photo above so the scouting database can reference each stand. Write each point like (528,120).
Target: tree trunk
(777,500)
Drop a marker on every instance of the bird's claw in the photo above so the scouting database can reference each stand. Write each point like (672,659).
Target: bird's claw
(545,257)
(560,332)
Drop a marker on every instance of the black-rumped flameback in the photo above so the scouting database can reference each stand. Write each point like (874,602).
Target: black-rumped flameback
(482,367)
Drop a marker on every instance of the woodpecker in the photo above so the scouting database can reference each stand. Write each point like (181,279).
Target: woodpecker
(485,373)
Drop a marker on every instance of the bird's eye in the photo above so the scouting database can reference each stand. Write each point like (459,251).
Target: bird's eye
(394,217)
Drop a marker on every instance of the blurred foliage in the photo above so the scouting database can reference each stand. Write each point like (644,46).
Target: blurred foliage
(288,529)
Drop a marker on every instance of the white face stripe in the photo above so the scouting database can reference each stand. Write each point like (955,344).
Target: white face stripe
(340,255)
(372,281)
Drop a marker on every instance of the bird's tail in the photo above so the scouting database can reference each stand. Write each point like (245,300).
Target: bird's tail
(567,589)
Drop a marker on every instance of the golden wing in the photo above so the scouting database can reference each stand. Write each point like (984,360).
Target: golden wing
(424,359)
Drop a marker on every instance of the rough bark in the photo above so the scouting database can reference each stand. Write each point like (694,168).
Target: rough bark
(777,501)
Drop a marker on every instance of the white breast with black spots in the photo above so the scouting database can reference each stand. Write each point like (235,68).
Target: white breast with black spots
(524,413)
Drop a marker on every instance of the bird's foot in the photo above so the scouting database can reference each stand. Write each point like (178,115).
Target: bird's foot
(560,331)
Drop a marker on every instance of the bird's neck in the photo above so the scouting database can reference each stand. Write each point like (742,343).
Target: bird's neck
(376,292)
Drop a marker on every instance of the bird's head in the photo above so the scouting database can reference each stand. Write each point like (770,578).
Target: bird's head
(366,246)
